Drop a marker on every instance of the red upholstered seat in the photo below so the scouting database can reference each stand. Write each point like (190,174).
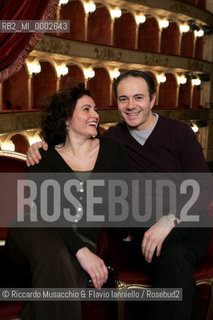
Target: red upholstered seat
(125,265)
(128,272)
(9,276)
(204,269)
(10,310)
(10,162)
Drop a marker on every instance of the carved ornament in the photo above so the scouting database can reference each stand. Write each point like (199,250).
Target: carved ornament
(108,54)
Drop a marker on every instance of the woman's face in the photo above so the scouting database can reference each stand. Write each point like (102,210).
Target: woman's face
(85,118)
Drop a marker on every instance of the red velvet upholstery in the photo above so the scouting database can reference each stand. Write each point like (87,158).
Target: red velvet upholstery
(204,269)
(9,164)
(10,310)
(8,275)
(128,270)
(123,261)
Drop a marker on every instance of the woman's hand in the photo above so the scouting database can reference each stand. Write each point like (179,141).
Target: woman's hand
(93,265)
(33,154)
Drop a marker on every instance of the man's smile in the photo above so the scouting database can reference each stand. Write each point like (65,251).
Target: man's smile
(132,113)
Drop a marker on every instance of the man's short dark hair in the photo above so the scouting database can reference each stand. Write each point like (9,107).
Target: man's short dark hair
(137,74)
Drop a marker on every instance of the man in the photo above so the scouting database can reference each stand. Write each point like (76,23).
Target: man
(158,144)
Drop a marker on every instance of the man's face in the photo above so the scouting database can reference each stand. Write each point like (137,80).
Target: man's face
(134,102)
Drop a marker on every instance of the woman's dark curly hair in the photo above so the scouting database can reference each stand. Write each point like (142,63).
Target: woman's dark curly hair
(56,113)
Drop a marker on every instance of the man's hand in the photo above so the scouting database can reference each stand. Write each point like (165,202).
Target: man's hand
(93,265)
(33,155)
(155,236)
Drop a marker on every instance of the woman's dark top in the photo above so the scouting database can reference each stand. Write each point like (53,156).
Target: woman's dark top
(112,157)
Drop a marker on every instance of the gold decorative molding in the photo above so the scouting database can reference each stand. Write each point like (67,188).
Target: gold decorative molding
(186,115)
(180,7)
(195,65)
(108,54)
(13,154)
(20,121)
(17,121)
(121,285)
(156,59)
(83,52)
(173,8)
(55,45)
(190,10)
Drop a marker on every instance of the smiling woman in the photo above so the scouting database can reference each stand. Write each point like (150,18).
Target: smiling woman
(85,118)
(65,257)
(81,128)
(59,112)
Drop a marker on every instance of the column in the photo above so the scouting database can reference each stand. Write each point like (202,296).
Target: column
(110,91)
(1,95)
(136,35)
(86,82)
(180,42)
(157,90)
(205,94)
(211,92)
(58,17)
(112,31)
(58,12)
(194,46)
(159,39)
(29,87)
(191,95)
(86,26)
(177,94)
(58,83)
